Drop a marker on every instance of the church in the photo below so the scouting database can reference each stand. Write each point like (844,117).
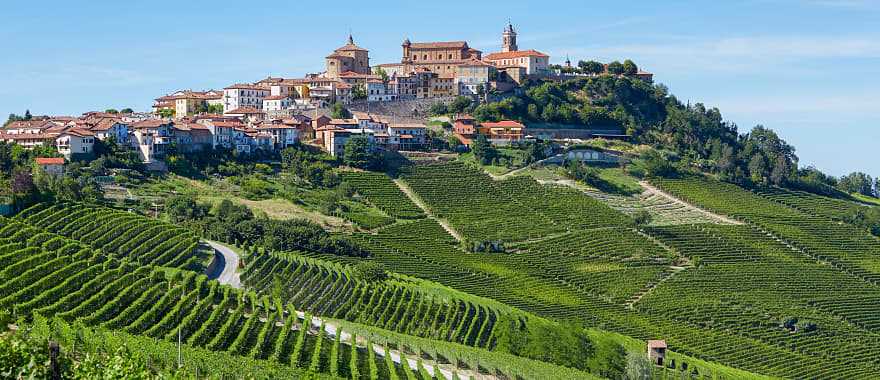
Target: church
(349,57)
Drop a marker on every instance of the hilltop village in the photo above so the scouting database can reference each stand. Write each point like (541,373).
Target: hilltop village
(274,113)
(454,215)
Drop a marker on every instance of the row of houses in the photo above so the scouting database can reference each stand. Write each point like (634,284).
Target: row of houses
(153,137)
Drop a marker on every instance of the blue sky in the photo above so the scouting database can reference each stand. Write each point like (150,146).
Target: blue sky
(808,69)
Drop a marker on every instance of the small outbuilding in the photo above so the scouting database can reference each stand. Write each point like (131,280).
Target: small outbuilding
(657,351)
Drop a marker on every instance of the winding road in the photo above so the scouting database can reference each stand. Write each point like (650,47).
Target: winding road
(227,265)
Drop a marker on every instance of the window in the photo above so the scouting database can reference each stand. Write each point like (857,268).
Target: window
(450,56)
(425,57)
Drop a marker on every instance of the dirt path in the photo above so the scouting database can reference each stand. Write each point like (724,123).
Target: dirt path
(422,205)
(651,189)
(430,366)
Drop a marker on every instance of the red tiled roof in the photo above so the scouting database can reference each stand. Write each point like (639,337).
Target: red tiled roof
(152,123)
(503,124)
(28,136)
(245,111)
(439,45)
(276,97)
(49,160)
(656,344)
(245,86)
(515,54)
(78,132)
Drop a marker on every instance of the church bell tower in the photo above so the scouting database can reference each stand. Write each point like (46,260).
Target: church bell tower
(509,39)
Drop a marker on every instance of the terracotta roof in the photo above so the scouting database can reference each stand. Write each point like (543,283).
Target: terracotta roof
(245,86)
(245,111)
(28,136)
(515,54)
(151,123)
(49,160)
(656,344)
(474,62)
(105,124)
(78,132)
(408,126)
(503,124)
(343,121)
(276,97)
(351,47)
(30,124)
(439,45)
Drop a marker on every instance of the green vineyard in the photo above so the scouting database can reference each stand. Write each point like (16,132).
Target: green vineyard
(50,275)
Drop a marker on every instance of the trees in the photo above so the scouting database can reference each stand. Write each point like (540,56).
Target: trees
(358,92)
(857,183)
(616,68)
(381,73)
(591,67)
(359,154)
(215,109)
(438,109)
(111,111)
(184,207)
(460,104)
(126,111)
(630,68)
(483,150)
(338,111)
(166,113)
(638,367)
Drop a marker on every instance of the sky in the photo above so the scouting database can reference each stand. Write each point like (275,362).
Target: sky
(809,69)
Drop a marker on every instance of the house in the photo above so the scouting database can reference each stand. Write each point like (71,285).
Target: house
(333,138)
(472,77)
(276,103)
(284,132)
(222,130)
(657,351)
(503,132)
(151,138)
(75,142)
(107,127)
(53,166)
(244,95)
(29,140)
(443,85)
(191,136)
(187,102)
(408,136)
(464,128)
(247,114)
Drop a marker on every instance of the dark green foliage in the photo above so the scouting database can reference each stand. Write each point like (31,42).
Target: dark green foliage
(371,271)
(338,111)
(483,150)
(568,345)
(360,154)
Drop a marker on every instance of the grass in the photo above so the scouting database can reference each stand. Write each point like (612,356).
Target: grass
(867,199)
(282,209)
(626,183)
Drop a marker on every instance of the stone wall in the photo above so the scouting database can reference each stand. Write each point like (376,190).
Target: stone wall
(401,111)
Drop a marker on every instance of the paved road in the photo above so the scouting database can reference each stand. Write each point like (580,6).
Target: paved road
(227,265)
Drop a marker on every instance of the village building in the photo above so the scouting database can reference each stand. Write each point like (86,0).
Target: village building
(503,132)
(187,102)
(442,58)
(247,114)
(51,165)
(472,77)
(464,128)
(75,142)
(244,95)
(151,138)
(348,58)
